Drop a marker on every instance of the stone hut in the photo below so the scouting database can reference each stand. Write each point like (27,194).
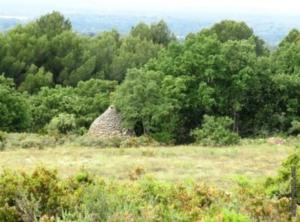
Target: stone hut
(109,124)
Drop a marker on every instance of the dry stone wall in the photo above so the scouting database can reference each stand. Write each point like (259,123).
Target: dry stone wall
(109,124)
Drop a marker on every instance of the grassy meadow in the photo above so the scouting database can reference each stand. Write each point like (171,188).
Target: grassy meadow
(217,166)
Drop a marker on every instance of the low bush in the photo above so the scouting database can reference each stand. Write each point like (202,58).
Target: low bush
(142,141)
(27,141)
(216,131)
(228,216)
(3,137)
(43,196)
(295,128)
(39,141)
(62,124)
(115,142)
(29,197)
(280,186)
(91,141)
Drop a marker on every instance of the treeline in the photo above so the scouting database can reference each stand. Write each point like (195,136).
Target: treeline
(163,87)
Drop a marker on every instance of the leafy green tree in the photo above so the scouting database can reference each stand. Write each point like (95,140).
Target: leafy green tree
(95,96)
(295,128)
(133,53)
(141,30)
(161,34)
(52,24)
(35,79)
(31,44)
(71,61)
(231,30)
(158,33)
(104,47)
(48,103)
(87,101)
(14,110)
(240,57)
(292,37)
(62,124)
(222,75)
(216,131)
(148,101)
(286,82)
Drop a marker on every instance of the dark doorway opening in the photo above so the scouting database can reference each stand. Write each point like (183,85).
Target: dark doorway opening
(139,128)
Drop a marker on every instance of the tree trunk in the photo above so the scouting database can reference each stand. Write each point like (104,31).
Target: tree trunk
(236,122)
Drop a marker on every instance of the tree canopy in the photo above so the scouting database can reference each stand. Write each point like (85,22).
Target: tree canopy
(162,86)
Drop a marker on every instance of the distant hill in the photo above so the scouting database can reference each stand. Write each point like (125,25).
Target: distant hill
(271,28)
(9,22)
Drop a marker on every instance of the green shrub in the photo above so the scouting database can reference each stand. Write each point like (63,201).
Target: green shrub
(43,196)
(32,143)
(96,204)
(62,124)
(91,141)
(141,141)
(2,146)
(228,216)
(27,140)
(3,136)
(280,186)
(9,214)
(30,196)
(15,114)
(215,131)
(295,128)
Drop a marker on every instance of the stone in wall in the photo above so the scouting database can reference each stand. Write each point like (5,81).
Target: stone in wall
(109,124)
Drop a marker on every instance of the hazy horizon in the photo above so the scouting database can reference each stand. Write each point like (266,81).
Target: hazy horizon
(271,20)
(167,7)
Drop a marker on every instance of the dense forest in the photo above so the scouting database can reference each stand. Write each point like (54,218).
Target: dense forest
(174,91)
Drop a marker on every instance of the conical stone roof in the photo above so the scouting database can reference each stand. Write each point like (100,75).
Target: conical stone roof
(109,124)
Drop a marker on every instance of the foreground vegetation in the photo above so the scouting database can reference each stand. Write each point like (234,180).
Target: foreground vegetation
(42,196)
(65,181)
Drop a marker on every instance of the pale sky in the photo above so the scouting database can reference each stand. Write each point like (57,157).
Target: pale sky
(168,6)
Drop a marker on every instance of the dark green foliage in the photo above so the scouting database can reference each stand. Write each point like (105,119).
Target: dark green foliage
(161,34)
(133,53)
(158,33)
(86,102)
(49,46)
(166,87)
(105,47)
(14,108)
(150,99)
(35,79)
(42,195)
(280,186)
(203,76)
(232,30)
(3,138)
(295,128)
(62,124)
(292,37)
(52,24)
(216,131)
(28,197)
(286,82)
(229,30)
